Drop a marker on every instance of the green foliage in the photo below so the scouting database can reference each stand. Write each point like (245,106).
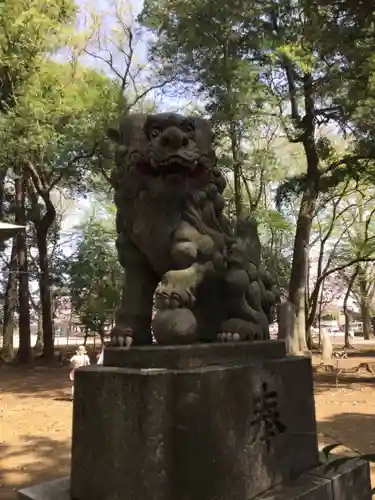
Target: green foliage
(313,66)
(327,450)
(53,117)
(60,117)
(93,273)
(54,114)
(276,234)
(29,30)
(215,61)
(328,317)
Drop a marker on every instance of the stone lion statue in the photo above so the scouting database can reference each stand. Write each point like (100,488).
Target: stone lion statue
(175,242)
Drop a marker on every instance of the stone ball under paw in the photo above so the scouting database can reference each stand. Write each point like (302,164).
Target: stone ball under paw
(175,327)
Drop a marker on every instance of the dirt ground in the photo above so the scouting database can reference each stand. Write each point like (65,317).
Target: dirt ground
(35,420)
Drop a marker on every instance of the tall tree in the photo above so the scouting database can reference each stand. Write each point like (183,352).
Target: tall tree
(300,67)
(212,58)
(10,304)
(93,273)
(24,350)
(28,32)
(65,149)
(360,245)
(56,133)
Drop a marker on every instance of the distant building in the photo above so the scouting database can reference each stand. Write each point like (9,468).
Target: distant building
(8,231)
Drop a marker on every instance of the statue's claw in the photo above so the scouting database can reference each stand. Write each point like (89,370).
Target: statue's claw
(236,329)
(229,337)
(169,297)
(122,337)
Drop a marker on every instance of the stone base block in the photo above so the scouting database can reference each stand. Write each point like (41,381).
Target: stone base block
(350,481)
(194,355)
(59,489)
(304,488)
(226,431)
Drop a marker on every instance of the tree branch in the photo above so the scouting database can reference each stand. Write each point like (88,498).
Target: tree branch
(288,68)
(345,266)
(346,160)
(48,218)
(78,157)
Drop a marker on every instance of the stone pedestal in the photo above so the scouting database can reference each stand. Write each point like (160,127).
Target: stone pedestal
(201,422)
(350,481)
(216,432)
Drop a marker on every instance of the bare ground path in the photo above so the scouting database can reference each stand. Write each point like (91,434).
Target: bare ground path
(35,427)
(35,421)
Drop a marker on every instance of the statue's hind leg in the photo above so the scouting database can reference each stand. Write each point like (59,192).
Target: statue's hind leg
(237,329)
(246,319)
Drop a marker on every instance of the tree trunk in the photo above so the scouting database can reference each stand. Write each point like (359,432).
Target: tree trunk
(38,188)
(320,311)
(237,168)
(45,294)
(10,304)
(364,302)
(101,333)
(347,343)
(366,320)
(309,342)
(39,336)
(3,173)
(24,351)
(299,273)
(86,336)
(298,279)
(345,306)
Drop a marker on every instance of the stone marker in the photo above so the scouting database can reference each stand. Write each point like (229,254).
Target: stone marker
(327,348)
(286,327)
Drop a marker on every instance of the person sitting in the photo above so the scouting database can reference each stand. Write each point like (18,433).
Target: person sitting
(79,359)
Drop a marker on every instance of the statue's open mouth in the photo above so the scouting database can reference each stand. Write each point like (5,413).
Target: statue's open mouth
(172,168)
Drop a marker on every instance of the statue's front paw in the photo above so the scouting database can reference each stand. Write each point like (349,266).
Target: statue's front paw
(172,297)
(121,337)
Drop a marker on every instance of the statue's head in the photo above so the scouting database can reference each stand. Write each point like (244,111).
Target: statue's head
(165,151)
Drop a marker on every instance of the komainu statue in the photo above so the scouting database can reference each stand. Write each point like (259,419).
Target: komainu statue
(175,242)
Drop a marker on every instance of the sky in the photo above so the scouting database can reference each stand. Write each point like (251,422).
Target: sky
(166,103)
(133,7)
(75,213)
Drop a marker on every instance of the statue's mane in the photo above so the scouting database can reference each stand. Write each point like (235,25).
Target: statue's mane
(204,210)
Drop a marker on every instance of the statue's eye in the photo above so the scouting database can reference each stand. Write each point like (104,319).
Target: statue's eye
(155,132)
